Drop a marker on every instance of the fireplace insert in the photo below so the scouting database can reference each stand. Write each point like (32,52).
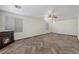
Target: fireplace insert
(6,38)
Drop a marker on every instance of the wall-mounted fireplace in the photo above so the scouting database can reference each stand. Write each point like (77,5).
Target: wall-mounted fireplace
(6,38)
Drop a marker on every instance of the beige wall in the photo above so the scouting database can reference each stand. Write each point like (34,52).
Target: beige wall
(31,26)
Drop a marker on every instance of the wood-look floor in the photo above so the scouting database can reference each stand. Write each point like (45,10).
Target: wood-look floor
(44,44)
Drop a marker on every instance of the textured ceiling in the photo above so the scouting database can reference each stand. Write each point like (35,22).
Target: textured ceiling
(62,11)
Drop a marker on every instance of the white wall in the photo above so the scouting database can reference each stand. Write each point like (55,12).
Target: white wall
(65,27)
(78,27)
(31,26)
(36,26)
(0,22)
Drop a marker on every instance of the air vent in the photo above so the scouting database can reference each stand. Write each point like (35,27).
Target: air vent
(17,6)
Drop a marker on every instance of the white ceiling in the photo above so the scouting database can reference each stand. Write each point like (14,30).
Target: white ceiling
(62,11)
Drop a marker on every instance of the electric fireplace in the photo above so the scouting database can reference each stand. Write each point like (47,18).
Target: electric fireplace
(6,38)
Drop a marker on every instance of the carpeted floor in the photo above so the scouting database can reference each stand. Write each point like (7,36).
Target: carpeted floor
(44,44)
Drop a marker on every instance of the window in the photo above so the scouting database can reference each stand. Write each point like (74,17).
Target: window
(14,24)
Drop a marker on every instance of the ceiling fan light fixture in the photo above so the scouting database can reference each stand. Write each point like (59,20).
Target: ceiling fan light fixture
(50,17)
(54,16)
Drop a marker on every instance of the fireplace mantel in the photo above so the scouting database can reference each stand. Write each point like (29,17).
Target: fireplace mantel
(6,38)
